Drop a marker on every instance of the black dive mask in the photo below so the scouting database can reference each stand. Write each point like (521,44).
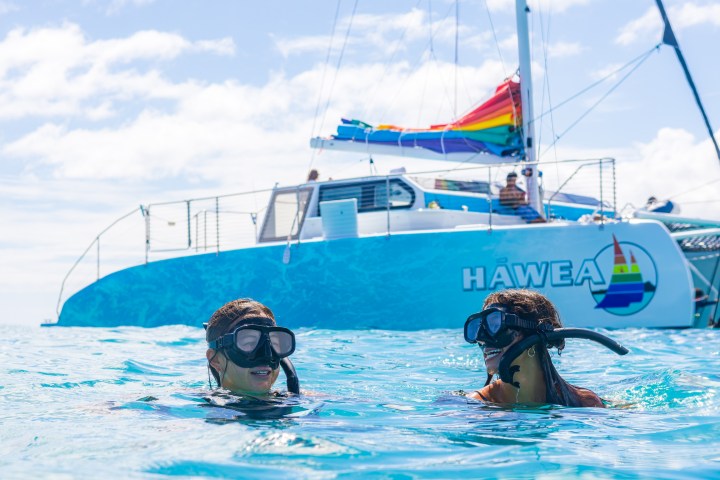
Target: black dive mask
(256,343)
(493,327)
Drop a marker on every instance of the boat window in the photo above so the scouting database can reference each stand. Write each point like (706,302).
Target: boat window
(371,195)
(462,185)
(286,214)
(474,186)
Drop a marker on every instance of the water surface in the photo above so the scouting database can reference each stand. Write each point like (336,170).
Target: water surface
(110,402)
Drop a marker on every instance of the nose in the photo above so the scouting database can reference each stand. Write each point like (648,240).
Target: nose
(266,351)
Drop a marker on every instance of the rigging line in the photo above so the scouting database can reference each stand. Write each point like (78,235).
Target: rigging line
(349,165)
(389,62)
(432,45)
(457,48)
(545,34)
(497,44)
(460,164)
(549,94)
(587,112)
(502,64)
(543,42)
(414,66)
(694,189)
(339,62)
(322,80)
(427,73)
(669,39)
(642,57)
(701,201)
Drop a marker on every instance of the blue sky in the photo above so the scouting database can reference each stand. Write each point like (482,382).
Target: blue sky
(110,104)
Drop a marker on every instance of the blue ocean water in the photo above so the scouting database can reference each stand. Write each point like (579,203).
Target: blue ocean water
(127,403)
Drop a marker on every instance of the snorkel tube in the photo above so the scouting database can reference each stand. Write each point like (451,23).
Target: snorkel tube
(507,372)
(293,383)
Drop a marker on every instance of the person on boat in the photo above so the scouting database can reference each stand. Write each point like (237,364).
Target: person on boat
(508,317)
(313,175)
(246,349)
(511,195)
(514,197)
(660,206)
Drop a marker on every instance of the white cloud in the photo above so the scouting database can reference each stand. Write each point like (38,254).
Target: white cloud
(301,45)
(611,71)
(649,25)
(672,155)
(564,49)
(509,43)
(382,34)
(59,72)
(641,27)
(224,46)
(665,167)
(210,129)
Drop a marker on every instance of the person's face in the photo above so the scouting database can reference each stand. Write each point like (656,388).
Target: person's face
(511,181)
(492,356)
(255,380)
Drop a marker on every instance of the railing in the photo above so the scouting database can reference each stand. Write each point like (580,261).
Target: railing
(225,222)
(176,228)
(204,224)
(94,243)
(603,170)
(590,182)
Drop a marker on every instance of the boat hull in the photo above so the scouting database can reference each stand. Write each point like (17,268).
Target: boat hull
(406,281)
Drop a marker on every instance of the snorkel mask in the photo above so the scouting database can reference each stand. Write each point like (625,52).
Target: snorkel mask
(492,327)
(257,341)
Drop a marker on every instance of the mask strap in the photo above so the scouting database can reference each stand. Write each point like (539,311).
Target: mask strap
(208,372)
(499,306)
(209,367)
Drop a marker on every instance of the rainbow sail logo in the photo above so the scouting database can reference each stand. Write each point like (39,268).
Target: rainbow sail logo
(633,281)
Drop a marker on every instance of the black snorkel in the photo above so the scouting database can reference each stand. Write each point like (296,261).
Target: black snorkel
(265,355)
(507,372)
(292,381)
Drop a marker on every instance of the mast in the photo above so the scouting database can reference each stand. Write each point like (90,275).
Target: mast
(533,186)
(669,39)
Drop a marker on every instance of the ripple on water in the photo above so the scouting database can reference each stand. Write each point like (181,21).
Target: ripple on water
(94,402)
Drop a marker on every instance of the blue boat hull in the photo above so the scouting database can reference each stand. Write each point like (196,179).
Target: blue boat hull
(405,281)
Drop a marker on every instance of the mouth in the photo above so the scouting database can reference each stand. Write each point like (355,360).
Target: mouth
(261,372)
(492,353)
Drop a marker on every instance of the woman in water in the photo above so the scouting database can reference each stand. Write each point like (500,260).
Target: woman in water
(509,316)
(246,347)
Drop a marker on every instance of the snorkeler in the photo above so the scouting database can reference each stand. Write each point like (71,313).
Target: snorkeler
(515,329)
(246,349)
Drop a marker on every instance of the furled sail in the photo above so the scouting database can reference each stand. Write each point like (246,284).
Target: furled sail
(492,129)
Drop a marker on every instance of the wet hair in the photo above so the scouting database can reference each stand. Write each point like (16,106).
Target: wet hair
(532,305)
(511,175)
(230,316)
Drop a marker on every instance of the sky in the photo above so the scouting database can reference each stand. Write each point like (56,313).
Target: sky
(109,104)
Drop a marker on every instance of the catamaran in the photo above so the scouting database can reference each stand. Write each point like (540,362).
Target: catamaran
(420,250)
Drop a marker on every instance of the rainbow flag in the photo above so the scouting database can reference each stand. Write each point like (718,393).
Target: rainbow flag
(493,128)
